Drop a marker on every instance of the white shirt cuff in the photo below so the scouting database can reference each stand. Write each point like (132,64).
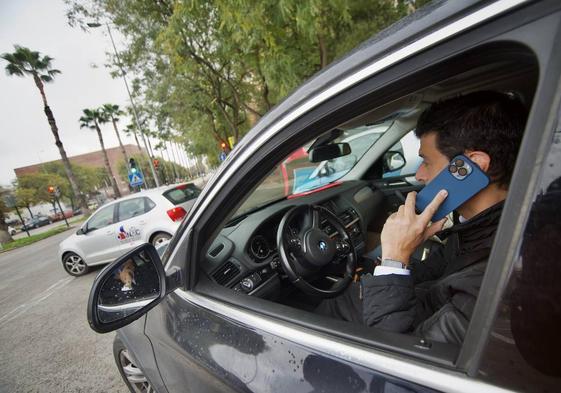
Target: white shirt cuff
(383,270)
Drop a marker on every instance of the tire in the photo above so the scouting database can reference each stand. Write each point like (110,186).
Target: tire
(133,376)
(74,264)
(160,238)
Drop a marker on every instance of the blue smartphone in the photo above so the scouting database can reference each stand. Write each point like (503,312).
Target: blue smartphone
(462,178)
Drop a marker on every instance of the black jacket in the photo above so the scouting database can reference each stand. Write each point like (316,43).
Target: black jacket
(436,301)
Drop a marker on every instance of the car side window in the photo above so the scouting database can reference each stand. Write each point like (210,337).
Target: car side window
(101,219)
(130,208)
(523,348)
(149,204)
(408,145)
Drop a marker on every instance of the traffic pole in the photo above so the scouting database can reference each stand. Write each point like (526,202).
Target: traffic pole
(21,219)
(61,211)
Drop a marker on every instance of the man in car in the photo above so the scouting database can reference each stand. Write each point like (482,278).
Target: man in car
(435,298)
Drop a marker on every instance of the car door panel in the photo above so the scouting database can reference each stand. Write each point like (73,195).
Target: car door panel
(100,244)
(198,350)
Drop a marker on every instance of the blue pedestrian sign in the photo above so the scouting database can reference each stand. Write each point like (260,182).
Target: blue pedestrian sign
(136,179)
(222,156)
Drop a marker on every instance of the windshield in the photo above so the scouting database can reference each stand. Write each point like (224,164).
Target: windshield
(296,174)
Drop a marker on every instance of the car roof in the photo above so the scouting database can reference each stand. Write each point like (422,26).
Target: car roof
(147,193)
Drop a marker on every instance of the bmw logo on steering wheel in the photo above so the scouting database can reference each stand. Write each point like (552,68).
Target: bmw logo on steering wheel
(322,245)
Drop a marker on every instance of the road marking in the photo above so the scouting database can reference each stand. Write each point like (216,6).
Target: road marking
(16,312)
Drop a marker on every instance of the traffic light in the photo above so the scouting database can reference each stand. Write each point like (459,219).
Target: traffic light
(156,163)
(223,146)
(51,190)
(132,165)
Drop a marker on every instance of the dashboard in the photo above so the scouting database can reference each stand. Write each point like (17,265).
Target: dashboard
(244,256)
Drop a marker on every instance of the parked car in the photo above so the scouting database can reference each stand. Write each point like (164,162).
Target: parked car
(11,230)
(36,222)
(58,216)
(219,311)
(150,216)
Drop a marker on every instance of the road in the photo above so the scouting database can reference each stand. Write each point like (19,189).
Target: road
(47,345)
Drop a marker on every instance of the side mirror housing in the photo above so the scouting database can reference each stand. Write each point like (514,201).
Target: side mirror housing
(82,231)
(329,152)
(129,288)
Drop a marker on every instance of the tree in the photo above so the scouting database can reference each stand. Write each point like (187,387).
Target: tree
(5,236)
(91,119)
(212,68)
(26,197)
(89,179)
(27,62)
(112,112)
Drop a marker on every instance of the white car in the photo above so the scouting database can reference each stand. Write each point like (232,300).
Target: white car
(11,230)
(150,216)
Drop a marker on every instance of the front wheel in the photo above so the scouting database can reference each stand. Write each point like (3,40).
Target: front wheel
(132,375)
(74,264)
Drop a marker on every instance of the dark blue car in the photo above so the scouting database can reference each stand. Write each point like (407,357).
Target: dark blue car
(229,308)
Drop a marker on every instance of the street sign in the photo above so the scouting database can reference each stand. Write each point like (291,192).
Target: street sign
(222,156)
(136,179)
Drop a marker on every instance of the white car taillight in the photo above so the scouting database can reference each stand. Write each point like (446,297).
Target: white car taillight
(177,213)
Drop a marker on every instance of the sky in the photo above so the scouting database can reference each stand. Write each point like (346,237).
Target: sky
(25,135)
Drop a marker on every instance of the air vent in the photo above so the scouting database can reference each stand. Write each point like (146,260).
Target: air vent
(225,273)
(214,253)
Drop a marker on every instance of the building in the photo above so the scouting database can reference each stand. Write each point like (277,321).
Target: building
(93,160)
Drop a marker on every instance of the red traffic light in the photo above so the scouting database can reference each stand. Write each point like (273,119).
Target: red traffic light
(156,163)
(51,190)
(223,145)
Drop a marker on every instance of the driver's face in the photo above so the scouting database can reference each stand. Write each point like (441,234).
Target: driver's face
(433,160)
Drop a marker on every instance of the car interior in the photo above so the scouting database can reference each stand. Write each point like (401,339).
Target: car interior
(256,253)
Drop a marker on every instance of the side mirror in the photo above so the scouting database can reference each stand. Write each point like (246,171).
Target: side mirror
(82,231)
(393,161)
(329,152)
(128,288)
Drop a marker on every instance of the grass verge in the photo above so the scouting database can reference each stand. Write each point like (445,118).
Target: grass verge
(33,238)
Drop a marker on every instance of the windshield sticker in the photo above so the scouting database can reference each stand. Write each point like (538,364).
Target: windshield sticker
(131,234)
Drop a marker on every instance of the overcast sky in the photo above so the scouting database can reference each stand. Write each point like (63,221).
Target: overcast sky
(25,135)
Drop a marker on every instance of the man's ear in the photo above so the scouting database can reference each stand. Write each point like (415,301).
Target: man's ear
(482,159)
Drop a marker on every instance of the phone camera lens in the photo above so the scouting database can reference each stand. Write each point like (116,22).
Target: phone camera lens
(453,169)
(459,162)
(462,171)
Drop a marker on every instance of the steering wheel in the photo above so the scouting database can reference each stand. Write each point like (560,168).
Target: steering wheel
(306,250)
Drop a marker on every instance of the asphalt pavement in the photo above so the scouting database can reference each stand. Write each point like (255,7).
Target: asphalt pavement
(45,340)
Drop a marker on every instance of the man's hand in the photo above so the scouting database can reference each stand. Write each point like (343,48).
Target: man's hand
(405,230)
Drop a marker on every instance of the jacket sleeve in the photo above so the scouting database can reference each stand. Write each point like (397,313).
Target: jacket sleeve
(388,302)
(391,303)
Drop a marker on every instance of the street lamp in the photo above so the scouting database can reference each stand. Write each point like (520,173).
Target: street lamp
(95,25)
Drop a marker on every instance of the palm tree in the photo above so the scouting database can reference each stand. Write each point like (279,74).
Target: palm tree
(131,129)
(27,62)
(91,119)
(112,112)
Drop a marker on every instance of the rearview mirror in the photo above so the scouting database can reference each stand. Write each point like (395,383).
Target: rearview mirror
(127,289)
(329,152)
(393,161)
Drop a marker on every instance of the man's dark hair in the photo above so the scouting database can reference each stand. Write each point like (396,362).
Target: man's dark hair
(487,121)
